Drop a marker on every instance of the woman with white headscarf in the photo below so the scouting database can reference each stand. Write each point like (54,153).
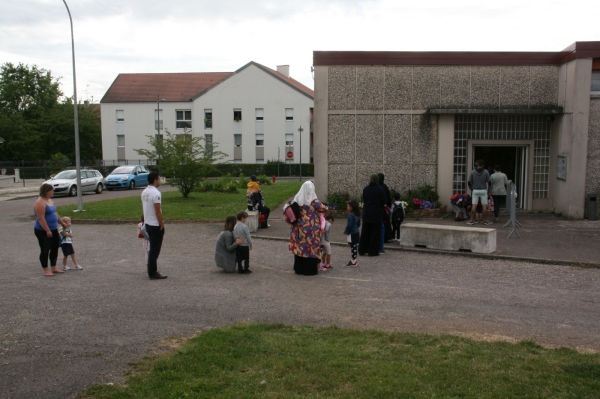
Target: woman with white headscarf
(305,236)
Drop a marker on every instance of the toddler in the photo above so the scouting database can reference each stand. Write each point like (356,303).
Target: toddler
(240,230)
(352,231)
(66,244)
(326,245)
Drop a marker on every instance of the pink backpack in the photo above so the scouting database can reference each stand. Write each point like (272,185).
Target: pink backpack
(323,222)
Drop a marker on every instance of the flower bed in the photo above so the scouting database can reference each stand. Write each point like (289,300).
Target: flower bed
(427,213)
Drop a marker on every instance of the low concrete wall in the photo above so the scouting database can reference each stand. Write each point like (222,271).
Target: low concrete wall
(451,238)
(7,180)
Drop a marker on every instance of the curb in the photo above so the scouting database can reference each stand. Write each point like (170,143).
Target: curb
(583,265)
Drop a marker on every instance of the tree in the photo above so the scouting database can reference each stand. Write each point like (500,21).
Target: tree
(183,158)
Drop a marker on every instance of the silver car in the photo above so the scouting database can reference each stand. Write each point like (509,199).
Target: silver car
(66,182)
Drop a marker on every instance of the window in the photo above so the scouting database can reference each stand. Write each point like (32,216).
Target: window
(237,114)
(289,140)
(158,119)
(120,116)
(208,123)
(237,140)
(596,81)
(260,140)
(259,124)
(184,137)
(260,114)
(120,140)
(184,119)
(289,114)
(208,143)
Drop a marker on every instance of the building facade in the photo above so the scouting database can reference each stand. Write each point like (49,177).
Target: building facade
(253,114)
(423,118)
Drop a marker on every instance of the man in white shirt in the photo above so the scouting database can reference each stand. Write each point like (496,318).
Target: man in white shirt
(155,223)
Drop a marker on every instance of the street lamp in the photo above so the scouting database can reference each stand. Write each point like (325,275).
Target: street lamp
(300,130)
(158,136)
(77,156)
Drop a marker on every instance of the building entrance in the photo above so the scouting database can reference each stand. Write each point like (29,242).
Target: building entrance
(513,163)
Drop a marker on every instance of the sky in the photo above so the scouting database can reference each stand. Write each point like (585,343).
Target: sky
(148,36)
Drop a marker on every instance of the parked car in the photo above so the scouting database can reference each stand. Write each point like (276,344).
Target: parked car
(129,176)
(65,182)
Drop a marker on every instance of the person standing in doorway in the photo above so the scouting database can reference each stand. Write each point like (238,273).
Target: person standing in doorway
(499,183)
(479,181)
(155,223)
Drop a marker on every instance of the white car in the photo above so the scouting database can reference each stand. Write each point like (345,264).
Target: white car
(66,182)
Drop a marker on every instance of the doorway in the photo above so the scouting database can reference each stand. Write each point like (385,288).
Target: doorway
(513,161)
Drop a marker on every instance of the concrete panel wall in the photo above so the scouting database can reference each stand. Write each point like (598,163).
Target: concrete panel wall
(592,184)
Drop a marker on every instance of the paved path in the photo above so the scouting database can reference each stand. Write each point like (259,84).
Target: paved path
(59,335)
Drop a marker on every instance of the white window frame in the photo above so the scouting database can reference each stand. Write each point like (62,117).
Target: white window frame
(235,140)
(236,111)
(183,120)
(260,140)
(289,143)
(120,115)
(119,137)
(289,114)
(206,120)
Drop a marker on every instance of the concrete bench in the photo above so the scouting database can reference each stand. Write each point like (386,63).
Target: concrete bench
(451,238)
(253,220)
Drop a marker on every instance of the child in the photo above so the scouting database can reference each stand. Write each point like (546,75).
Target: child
(240,230)
(352,231)
(143,234)
(397,217)
(326,245)
(66,244)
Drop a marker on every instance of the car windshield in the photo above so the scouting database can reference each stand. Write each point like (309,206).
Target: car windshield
(66,174)
(122,170)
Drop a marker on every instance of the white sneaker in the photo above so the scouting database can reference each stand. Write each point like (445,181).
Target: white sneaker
(65,268)
(78,267)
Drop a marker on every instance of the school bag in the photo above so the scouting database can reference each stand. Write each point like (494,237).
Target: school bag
(291,212)
(454,198)
(398,214)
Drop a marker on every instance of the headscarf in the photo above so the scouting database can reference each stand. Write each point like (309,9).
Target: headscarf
(306,194)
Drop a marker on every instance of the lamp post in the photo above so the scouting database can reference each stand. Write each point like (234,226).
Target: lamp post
(300,130)
(278,162)
(158,136)
(76,120)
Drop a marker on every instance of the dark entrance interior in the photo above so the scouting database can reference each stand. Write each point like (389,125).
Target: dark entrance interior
(511,160)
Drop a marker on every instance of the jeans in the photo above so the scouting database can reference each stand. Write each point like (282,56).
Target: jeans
(156,238)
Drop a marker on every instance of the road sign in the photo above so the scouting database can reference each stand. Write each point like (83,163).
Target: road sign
(290,154)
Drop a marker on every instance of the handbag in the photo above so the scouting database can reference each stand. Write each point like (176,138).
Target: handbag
(349,238)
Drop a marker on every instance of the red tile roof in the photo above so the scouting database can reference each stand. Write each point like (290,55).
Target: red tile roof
(147,87)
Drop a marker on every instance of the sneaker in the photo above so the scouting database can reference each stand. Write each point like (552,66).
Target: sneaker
(65,268)
(247,271)
(158,276)
(487,223)
(381,251)
(351,264)
(470,223)
(268,225)
(78,267)
(321,269)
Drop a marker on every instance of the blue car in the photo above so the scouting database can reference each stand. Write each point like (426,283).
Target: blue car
(129,176)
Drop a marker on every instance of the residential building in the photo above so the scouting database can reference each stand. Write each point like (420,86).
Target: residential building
(254,114)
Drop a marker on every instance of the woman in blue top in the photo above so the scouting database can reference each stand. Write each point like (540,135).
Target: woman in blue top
(46,229)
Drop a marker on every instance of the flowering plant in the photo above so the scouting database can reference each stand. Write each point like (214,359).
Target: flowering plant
(418,202)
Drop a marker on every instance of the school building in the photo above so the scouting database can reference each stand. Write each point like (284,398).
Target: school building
(423,118)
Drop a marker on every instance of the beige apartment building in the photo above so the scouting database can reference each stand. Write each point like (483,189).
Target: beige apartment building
(425,117)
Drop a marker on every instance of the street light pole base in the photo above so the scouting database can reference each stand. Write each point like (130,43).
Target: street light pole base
(77,210)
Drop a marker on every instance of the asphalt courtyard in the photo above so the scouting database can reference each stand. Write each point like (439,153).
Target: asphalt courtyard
(60,335)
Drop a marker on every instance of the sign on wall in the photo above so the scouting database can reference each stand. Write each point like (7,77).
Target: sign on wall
(561,167)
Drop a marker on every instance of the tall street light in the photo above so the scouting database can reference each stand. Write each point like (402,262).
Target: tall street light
(300,130)
(158,127)
(77,156)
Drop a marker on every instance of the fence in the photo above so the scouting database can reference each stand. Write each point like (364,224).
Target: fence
(43,169)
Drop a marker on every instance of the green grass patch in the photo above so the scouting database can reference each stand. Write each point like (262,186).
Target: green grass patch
(198,206)
(277,361)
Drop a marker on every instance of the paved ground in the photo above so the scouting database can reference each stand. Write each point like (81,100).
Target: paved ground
(59,335)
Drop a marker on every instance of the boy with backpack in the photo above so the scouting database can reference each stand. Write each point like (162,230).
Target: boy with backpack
(397,217)
(460,203)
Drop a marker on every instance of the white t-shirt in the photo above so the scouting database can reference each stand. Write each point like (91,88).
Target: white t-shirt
(150,196)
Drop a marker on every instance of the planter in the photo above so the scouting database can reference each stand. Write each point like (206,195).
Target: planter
(427,213)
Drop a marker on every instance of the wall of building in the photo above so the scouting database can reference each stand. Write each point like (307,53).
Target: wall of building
(247,90)
(375,119)
(592,184)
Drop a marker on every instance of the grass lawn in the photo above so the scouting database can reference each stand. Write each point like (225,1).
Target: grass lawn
(276,361)
(199,206)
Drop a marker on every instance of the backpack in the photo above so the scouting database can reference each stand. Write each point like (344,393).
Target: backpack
(454,198)
(291,213)
(398,214)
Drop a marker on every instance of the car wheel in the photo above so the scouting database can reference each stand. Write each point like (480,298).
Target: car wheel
(131,185)
(73,191)
(99,188)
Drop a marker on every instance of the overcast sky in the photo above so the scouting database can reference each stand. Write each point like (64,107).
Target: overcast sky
(134,36)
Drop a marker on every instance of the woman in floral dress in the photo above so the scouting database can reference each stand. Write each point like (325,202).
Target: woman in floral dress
(305,236)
